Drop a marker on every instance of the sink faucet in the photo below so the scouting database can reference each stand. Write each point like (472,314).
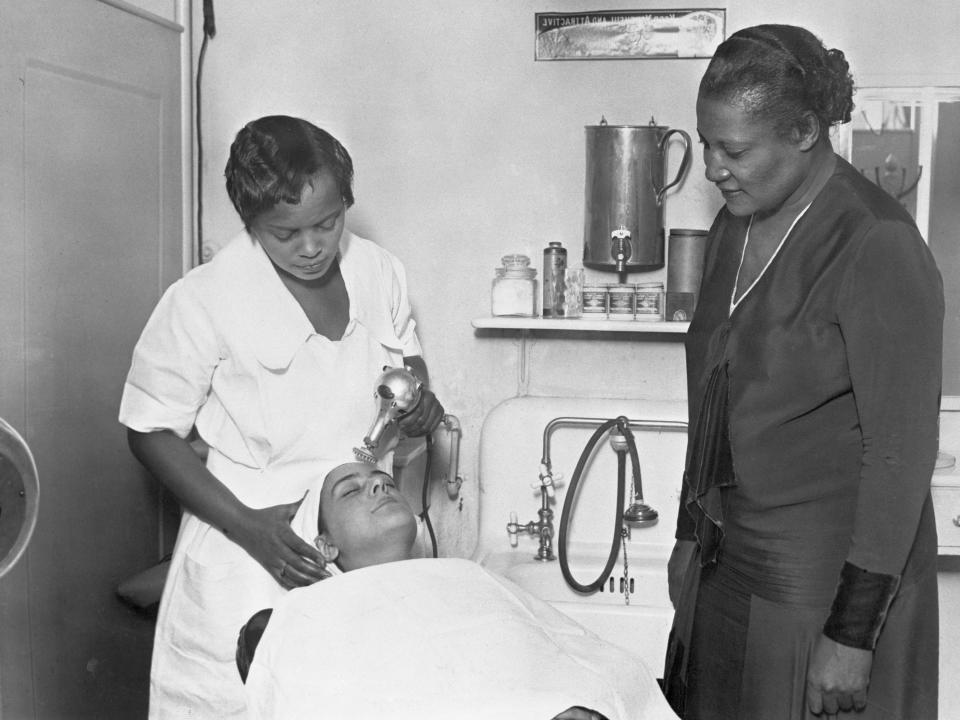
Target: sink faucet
(639,514)
(542,527)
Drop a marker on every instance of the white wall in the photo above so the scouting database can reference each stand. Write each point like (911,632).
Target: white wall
(466,149)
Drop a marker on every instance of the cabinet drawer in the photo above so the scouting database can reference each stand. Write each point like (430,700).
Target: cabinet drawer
(946,505)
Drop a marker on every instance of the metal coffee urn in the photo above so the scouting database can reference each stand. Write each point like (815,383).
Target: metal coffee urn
(623,213)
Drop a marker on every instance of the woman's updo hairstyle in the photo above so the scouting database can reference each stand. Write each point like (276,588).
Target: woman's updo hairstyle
(778,73)
(272,159)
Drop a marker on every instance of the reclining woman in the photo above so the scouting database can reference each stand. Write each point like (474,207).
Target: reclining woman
(396,635)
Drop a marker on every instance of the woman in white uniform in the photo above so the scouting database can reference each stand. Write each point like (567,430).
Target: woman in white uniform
(270,352)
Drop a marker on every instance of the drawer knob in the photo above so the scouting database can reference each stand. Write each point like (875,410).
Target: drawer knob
(956,521)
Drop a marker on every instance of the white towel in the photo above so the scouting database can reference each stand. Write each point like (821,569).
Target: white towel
(438,638)
(305,522)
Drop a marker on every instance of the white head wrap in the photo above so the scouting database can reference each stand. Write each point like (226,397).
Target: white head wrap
(307,518)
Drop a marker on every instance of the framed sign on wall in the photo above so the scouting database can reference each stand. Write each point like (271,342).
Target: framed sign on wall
(629,34)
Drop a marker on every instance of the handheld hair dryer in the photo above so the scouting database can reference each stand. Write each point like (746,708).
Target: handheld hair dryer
(397,392)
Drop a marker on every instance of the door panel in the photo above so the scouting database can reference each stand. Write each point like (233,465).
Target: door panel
(91,209)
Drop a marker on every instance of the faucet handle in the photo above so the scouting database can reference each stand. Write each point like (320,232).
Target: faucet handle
(512,528)
(548,481)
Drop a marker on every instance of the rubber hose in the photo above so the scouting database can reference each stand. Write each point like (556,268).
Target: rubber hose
(569,499)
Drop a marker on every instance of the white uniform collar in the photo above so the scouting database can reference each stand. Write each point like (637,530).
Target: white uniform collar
(261,302)
(271,312)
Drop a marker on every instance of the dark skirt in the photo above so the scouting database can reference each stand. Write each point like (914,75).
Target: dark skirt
(742,657)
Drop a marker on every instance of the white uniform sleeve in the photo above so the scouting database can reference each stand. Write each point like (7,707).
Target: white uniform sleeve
(173,363)
(403,322)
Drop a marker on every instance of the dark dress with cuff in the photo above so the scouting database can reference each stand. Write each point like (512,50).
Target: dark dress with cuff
(814,407)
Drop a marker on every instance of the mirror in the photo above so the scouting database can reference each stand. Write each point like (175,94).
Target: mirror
(19,493)
(907,140)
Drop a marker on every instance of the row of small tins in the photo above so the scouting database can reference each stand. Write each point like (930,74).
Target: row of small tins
(624,301)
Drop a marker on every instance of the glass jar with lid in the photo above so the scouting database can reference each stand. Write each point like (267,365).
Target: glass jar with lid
(514,291)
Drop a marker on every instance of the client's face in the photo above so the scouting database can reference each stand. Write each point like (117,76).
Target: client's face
(365,517)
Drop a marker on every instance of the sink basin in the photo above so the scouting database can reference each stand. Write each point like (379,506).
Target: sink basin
(640,627)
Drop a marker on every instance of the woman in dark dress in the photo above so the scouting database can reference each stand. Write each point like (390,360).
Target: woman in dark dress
(804,573)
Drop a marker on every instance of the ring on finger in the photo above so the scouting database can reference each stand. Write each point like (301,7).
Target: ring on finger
(283,570)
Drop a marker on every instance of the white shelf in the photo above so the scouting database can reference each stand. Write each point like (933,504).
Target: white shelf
(579,325)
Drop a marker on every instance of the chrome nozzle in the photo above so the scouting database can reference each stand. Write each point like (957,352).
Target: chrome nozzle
(364,456)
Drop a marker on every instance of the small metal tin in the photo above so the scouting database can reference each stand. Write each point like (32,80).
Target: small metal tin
(649,301)
(595,301)
(621,302)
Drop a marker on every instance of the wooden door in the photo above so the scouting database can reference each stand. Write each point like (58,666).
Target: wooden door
(90,206)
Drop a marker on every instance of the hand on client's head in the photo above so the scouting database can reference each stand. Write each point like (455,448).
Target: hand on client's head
(363,519)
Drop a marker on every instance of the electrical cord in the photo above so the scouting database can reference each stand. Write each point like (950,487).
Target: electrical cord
(425,495)
(209,30)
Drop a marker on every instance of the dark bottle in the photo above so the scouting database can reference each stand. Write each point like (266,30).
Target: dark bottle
(554,270)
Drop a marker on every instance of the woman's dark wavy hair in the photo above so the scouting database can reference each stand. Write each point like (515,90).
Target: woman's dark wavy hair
(272,159)
(779,73)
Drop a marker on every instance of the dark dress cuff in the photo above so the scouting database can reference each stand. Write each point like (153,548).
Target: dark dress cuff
(860,607)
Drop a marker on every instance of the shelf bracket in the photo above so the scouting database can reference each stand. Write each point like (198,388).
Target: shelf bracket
(523,371)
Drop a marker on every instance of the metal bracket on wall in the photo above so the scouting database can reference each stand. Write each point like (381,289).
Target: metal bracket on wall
(523,374)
